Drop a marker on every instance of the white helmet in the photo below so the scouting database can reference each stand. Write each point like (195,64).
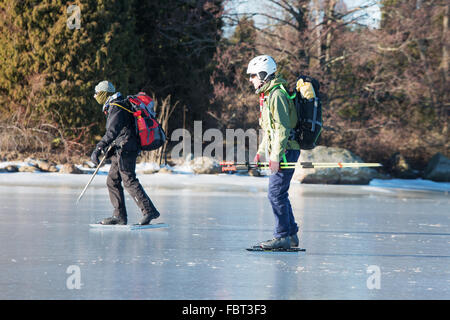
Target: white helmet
(264,64)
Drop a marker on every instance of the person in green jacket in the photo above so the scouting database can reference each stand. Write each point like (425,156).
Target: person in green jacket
(278,118)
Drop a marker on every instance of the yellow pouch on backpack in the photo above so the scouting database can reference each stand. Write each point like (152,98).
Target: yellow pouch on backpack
(306,89)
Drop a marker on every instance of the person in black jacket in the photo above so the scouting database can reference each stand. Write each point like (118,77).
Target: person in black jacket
(121,135)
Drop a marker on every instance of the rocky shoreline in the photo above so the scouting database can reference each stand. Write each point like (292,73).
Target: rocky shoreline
(396,167)
(438,168)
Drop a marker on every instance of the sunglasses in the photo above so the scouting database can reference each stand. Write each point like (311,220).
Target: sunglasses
(253,76)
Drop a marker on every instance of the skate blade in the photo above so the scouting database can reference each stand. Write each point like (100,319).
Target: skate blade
(259,249)
(128,226)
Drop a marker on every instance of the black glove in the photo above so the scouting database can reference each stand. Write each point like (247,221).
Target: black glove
(95,155)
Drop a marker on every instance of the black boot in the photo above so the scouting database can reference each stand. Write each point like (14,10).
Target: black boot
(294,240)
(114,220)
(149,217)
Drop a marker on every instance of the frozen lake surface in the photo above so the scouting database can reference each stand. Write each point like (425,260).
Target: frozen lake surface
(362,242)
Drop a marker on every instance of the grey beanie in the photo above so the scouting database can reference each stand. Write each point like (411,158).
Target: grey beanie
(105,86)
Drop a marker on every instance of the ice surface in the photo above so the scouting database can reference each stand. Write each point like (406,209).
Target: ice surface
(417,184)
(212,219)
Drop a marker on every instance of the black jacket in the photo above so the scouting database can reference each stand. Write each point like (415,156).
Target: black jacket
(120,127)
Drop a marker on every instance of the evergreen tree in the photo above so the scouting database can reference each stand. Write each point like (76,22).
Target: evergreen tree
(51,69)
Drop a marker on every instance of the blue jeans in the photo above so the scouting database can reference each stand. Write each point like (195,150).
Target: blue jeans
(279,198)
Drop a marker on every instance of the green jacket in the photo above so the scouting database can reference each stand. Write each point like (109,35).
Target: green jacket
(278,117)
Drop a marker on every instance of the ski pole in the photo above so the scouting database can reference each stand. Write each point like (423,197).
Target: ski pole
(232,166)
(95,172)
(306,163)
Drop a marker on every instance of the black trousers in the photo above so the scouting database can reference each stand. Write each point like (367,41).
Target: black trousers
(123,169)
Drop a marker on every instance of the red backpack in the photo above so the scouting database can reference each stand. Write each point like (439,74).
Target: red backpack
(151,135)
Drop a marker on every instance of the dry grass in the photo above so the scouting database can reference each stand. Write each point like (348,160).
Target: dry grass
(45,141)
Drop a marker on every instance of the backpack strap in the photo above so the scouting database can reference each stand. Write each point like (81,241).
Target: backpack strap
(282,88)
(118,105)
(284,158)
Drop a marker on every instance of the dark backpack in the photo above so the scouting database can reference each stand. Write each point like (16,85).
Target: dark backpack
(309,112)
